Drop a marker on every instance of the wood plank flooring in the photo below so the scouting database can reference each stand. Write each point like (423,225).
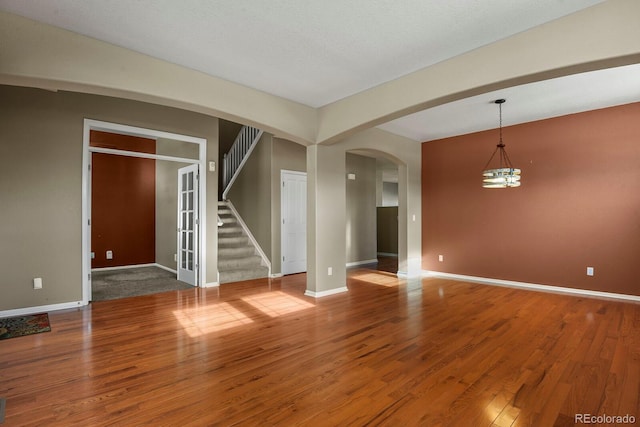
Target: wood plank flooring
(389,352)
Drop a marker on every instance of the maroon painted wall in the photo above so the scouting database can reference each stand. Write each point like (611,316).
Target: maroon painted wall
(578,206)
(123,194)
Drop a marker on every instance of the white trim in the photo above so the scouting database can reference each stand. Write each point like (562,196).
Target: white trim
(90,124)
(366,261)
(211,285)
(138,131)
(275,275)
(533,286)
(253,239)
(402,274)
(142,155)
(164,267)
(41,309)
(321,294)
(124,267)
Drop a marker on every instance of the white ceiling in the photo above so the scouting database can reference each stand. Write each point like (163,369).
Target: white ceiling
(526,103)
(317,52)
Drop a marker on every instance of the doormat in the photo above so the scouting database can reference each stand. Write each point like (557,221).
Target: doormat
(19,326)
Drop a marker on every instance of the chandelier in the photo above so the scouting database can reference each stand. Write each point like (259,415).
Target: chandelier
(505,175)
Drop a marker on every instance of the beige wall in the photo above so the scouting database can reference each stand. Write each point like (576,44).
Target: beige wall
(41,186)
(361,208)
(251,193)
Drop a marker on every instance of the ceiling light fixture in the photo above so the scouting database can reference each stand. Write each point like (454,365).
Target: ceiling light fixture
(505,175)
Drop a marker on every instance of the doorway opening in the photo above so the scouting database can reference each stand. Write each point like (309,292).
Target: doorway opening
(134,216)
(372,203)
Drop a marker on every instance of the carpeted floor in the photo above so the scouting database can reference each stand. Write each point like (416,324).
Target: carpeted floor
(130,282)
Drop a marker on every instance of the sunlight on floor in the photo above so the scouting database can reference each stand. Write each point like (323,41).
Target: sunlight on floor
(381,278)
(199,321)
(275,304)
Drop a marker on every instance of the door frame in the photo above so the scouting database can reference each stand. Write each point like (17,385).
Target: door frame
(88,126)
(284,172)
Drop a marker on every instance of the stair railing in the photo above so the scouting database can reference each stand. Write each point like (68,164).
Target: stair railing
(237,156)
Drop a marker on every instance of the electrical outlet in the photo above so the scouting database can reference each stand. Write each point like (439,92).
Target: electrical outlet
(175,257)
(330,271)
(37,283)
(589,271)
(440,258)
(93,255)
(109,254)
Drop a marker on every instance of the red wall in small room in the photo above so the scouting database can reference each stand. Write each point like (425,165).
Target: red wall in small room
(123,198)
(578,206)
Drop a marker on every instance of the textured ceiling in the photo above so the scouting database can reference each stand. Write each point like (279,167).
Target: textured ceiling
(317,52)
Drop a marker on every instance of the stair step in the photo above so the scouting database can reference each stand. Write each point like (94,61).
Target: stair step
(244,262)
(237,259)
(233,241)
(230,276)
(226,230)
(232,252)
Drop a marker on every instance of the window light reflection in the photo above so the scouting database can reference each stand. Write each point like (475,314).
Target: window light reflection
(277,303)
(206,319)
(378,278)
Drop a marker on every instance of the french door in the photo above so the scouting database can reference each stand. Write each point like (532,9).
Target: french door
(188,224)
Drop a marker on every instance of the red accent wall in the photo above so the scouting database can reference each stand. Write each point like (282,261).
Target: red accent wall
(123,199)
(578,206)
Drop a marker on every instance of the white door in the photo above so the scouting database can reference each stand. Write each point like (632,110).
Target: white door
(188,224)
(294,221)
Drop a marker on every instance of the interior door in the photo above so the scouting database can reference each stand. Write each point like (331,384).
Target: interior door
(294,222)
(188,224)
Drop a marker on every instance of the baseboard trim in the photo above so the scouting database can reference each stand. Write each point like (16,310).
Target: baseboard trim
(170,270)
(388,254)
(125,267)
(321,294)
(533,286)
(211,285)
(40,309)
(363,262)
(275,275)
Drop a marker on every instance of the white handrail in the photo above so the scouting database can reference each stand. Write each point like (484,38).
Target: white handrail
(237,156)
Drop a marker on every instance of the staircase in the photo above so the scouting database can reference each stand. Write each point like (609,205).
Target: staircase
(238,259)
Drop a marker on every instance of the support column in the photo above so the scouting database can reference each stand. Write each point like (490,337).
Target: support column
(326,221)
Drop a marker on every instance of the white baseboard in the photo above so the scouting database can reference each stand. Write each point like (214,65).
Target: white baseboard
(40,309)
(366,261)
(533,286)
(211,285)
(125,267)
(275,275)
(170,270)
(388,254)
(321,294)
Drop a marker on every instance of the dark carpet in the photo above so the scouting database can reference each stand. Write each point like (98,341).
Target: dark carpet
(131,282)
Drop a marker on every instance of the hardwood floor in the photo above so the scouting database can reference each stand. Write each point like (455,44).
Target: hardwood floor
(388,352)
